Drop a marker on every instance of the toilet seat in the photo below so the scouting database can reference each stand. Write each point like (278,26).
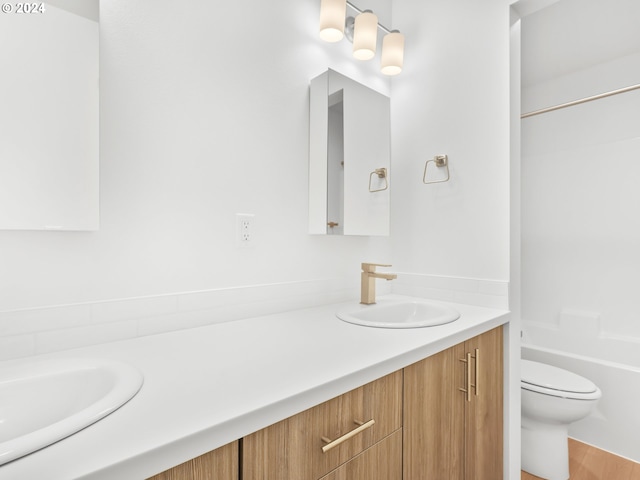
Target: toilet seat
(554,381)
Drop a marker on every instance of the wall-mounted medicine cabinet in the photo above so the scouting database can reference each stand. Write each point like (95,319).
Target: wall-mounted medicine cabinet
(49,158)
(349,157)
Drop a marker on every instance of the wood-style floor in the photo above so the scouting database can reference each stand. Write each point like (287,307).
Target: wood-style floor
(590,463)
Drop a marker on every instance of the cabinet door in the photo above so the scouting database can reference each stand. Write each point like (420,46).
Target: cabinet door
(219,464)
(484,420)
(383,461)
(449,433)
(434,417)
(293,448)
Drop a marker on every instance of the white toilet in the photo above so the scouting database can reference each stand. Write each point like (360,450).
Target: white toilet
(552,398)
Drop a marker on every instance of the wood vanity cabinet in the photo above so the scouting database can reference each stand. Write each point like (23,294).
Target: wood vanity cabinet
(453,420)
(307,446)
(219,464)
(438,419)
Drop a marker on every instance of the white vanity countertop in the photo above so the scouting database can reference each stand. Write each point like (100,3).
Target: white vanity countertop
(208,386)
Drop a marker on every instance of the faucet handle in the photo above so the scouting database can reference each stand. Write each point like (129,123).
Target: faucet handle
(371,267)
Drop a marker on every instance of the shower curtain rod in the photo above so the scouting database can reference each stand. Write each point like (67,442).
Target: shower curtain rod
(582,100)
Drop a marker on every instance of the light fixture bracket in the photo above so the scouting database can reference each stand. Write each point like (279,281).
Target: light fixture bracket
(349,26)
(359,10)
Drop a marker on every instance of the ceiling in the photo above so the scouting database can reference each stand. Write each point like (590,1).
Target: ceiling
(571,35)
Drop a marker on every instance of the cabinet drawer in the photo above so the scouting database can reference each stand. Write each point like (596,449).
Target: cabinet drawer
(293,448)
(383,461)
(219,464)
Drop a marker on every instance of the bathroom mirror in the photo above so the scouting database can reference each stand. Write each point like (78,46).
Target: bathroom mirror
(49,159)
(349,157)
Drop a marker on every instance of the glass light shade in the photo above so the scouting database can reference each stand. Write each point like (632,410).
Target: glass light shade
(332,15)
(392,53)
(365,35)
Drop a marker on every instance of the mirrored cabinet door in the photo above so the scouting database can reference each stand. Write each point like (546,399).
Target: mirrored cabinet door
(349,157)
(49,165)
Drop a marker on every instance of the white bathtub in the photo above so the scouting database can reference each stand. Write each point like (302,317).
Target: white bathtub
(615,424)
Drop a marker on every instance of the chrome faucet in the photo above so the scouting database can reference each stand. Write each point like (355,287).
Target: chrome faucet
(368,282)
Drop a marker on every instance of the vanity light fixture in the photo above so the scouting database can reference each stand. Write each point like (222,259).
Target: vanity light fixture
(363,33)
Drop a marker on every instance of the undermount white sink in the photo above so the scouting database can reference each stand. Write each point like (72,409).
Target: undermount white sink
(399,314)
(46,401)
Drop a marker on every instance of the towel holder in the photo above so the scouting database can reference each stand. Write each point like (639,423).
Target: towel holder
(439,161)
(381,173)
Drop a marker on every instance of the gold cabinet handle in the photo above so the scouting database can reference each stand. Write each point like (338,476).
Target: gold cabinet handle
(334,443)
(477,368)
(468,375)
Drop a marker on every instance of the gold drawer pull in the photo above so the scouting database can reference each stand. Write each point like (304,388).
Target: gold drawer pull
(334,443)
(467,371)
(467,360)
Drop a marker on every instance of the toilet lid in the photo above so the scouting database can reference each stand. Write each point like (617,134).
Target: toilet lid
(553,380)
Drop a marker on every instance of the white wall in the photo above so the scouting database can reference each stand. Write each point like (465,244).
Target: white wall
(512,352)
(49,121)
(580,196)
(452,98)
(204,114)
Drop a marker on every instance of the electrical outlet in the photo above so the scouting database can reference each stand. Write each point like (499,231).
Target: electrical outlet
(244,229)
